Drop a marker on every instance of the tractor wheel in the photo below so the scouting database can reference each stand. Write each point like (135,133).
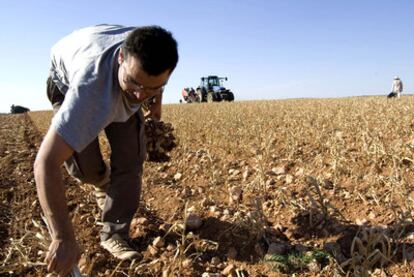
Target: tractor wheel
(230,96)
(210,98)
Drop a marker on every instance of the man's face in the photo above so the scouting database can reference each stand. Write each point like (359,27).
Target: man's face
(136,83)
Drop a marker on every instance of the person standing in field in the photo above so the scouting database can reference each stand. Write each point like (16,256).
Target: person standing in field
(397,86)
(98,80)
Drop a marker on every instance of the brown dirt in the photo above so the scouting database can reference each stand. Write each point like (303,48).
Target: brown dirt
(315,175)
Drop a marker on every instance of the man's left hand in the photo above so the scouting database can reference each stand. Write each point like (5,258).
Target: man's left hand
(155,108)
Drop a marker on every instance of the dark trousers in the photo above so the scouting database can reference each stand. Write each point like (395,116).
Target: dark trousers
(127,143)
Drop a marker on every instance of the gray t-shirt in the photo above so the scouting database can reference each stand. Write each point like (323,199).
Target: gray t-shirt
(85,69)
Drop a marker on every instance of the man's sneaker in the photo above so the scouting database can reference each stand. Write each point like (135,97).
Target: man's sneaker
(119,248)
(101,187)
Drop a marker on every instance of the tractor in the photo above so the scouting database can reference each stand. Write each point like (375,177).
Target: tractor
(211,89)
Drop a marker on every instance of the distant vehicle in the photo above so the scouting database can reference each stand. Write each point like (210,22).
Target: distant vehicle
(18,109)
(211,89)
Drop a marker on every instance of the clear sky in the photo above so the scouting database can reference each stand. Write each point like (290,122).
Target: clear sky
(268,49)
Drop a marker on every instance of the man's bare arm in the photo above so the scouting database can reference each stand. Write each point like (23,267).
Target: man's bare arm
(51,191)
(63,252)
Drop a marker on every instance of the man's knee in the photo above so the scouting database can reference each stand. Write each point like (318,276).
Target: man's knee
(90,175)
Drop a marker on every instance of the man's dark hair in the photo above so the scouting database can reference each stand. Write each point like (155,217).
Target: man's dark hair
(154,47)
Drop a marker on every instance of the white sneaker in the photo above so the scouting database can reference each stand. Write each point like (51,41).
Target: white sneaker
(101,187)
(119,248)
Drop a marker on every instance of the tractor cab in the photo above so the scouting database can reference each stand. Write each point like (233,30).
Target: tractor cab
(212,82)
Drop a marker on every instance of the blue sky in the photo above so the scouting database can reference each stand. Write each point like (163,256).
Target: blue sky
(268,49)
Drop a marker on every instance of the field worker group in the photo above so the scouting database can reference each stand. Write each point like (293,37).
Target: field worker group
(99,78)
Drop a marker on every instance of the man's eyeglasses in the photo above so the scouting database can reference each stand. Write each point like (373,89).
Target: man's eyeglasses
(133,85)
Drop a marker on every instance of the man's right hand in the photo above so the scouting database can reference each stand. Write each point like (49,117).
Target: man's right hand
(62,256)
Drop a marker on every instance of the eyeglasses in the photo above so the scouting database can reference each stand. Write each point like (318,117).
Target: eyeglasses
(132,85)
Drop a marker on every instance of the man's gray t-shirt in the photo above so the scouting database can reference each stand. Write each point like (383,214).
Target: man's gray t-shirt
(85,69)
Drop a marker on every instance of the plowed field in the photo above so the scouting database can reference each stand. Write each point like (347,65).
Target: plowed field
(306,187)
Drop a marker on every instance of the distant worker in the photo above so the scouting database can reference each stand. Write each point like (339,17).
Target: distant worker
(192,94)
(189,95)
(397,86)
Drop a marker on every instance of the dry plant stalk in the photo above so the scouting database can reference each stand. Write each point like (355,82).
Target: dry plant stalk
(248,224)
(319,202)
(21,247)
(370,247)
(183,246)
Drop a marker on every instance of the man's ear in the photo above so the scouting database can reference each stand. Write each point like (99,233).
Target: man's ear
(121,55)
